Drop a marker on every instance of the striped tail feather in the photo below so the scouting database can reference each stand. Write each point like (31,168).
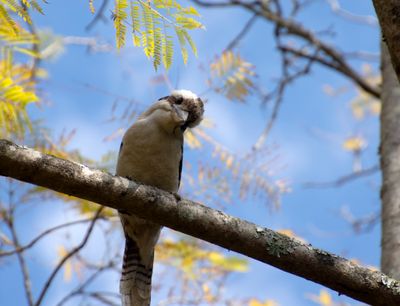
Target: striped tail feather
(135,284)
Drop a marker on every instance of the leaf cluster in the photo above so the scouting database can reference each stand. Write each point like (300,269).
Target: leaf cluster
(232,76)
(17,84)
(190,257)
(20,8)
(16,92)
(153,24)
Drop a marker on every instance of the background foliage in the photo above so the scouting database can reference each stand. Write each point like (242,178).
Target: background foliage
(280,128)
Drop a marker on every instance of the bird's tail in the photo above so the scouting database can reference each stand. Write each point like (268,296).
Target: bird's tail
(135,284)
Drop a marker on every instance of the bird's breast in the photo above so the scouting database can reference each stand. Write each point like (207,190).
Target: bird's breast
(151,157)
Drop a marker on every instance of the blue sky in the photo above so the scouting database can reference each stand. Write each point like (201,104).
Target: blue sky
(307,137)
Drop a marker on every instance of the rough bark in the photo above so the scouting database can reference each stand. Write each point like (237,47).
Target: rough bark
(390,165)
(200,221)
(388,12)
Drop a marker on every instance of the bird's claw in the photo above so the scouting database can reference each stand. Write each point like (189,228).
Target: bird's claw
(177,196)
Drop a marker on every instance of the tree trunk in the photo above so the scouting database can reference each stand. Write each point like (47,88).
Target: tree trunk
(388,12)
(390,164)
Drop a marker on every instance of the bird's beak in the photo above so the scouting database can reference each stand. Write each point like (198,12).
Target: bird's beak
(182,114)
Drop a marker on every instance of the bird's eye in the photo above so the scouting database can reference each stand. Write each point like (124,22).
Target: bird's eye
(179,100)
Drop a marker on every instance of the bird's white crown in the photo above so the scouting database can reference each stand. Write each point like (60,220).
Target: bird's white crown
(185,94)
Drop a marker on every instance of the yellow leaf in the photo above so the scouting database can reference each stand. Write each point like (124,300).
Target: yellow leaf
(191,11)
(235,74)
(216,257)
(6,82)
(254,302)
(375,107)
(291,234)
(229,162)
(270,303)
(192,141)
(62,252)
(91,6)
(354,144)
(207,293)
(189,23)
(358,111)
(187,263)
(325,298)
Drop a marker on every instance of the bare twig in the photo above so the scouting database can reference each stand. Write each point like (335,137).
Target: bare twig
(361,224)
(67,256)
(80,290)
(344,179)
(42,235)
(337,8)
(296,29)
(286,79)
(99,16)
(246,28)
(9,220)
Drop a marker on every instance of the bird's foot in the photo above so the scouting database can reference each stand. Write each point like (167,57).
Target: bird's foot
(177,196)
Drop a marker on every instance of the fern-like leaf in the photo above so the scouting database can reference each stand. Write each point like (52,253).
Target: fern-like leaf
(14,97)
(135,19)
(168,51)
(188,22)
(36,6)
(234,75)
(17,8)
(151,23)
(191,42)
(182,41)
(120,16)
(6,21)
(167,4)
(149,29)
(159,47)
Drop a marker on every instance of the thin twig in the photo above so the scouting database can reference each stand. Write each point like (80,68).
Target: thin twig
(81,288)
(344,179)
(287,78)
(66,257)
(99,16)
(246,28)
(42,235)
(296,29)
(9,220)
(336,8)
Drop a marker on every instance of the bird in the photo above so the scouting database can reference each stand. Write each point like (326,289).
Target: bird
(151,153)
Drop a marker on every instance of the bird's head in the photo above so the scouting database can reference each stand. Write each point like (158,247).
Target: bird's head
(188,103)
(181,109)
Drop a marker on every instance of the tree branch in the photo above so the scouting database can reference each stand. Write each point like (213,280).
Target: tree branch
(298,30)
(288,254)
